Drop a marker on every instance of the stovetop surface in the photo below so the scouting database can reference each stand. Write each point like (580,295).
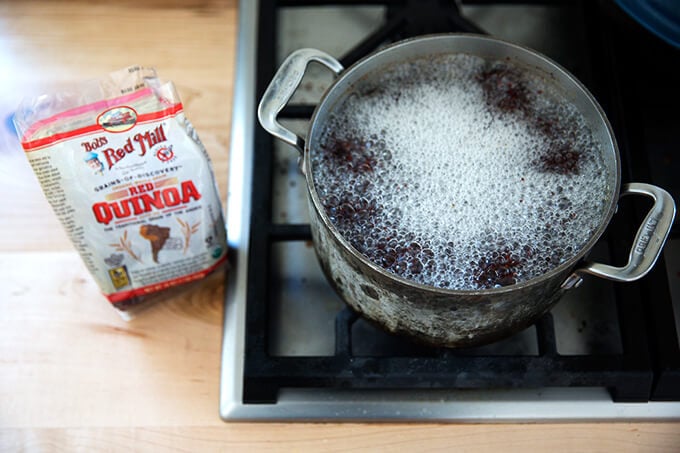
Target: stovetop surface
(292,350)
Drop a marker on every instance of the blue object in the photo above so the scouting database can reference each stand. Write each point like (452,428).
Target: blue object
(90,156)
(661,17)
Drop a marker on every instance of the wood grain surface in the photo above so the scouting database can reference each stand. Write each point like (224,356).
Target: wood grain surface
(73,375)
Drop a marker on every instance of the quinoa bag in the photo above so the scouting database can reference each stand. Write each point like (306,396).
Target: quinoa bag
(130,181)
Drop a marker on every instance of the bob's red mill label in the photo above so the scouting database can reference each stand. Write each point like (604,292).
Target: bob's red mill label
(129,180)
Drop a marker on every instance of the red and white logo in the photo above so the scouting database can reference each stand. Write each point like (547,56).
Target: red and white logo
(165,153)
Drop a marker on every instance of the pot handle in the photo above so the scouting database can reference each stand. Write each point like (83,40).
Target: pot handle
(282,87)
(648,242)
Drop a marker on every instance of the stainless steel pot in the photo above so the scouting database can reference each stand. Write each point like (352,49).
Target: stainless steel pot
(445,317)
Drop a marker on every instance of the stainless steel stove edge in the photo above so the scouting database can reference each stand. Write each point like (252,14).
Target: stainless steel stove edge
(238,208)
(460,406)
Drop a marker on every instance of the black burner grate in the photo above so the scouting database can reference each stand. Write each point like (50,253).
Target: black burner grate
(629,374)
(641,99)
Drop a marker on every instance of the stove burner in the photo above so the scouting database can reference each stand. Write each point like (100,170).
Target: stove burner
(429,16)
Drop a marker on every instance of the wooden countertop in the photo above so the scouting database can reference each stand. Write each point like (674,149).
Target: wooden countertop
(73,375)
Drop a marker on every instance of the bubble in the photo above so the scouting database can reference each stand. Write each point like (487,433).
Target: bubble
(435,178)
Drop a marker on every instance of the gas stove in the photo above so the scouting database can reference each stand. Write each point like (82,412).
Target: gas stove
(293,351)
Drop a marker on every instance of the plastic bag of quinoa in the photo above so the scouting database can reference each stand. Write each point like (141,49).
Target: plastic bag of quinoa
(130,181)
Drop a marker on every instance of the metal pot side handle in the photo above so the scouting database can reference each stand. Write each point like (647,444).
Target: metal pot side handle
(282,87)
(648,243)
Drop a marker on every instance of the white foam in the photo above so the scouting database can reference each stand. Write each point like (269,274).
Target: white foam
(452,179)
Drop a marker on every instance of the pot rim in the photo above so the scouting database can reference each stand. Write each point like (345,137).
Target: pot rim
(551,66)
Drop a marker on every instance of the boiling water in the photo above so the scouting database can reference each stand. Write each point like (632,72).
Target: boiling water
(460,173)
